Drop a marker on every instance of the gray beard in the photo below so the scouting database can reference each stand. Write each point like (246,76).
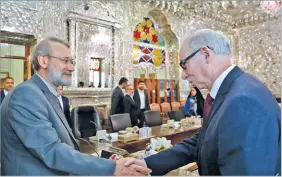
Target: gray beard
(56,77)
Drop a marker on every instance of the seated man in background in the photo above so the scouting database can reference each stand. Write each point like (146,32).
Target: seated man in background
(64,103)
(131,108)
(8,84)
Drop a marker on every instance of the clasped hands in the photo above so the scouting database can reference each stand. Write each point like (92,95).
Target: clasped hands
(130,167)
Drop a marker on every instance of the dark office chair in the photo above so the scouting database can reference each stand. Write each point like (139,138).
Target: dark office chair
(176,115)
(120,121)
(153,118)
(85,121)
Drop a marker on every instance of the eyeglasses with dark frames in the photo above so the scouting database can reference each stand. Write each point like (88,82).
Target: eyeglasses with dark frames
(65,60)
(182,62)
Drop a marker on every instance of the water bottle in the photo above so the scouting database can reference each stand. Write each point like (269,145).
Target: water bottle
(146,131)
(149,131)
(141,132)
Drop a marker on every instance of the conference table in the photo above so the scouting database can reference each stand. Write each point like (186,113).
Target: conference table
(175,135)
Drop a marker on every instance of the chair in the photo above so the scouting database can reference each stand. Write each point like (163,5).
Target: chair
(153,118)
(165,107)
(175,106)
(155,107)
(120,121)
(85,121)
(176,115)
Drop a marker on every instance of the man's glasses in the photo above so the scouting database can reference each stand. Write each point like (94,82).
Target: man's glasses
(64,60)
(182,62)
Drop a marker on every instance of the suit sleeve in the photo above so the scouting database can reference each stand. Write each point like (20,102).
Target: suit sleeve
(126,105)
(32,126)
(173,158)
(147,102)
(115,100)
(249,138)
(127,109)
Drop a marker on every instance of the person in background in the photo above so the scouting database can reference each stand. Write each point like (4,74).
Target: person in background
(117,97)
(195,103)
(36,139)
(131,107)
(8,84)
(141,100)
(241,132)
(65,105)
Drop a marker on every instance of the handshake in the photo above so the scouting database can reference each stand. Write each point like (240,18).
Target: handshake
(130,167)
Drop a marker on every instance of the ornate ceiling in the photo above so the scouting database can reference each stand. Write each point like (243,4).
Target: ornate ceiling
(235,13)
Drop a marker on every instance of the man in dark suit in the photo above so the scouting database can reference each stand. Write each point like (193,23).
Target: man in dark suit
(117,97)
(36,139)
(141,100)
(241,131)
(64,103)
(131,107)
(8,84)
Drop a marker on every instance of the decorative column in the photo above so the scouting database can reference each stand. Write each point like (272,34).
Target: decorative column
(72,41)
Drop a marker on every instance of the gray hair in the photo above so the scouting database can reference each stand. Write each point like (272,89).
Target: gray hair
(207,37)
(44,48)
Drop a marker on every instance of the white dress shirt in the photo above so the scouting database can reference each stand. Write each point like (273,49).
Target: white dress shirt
(61,102)
(5,92)
(216,85)
(142,98)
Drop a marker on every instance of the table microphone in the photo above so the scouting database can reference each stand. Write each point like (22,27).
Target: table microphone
(89,145)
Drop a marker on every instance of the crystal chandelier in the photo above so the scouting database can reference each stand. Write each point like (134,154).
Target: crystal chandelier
(270,7)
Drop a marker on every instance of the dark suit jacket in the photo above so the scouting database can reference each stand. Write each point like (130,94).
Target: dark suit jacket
(66,105)
(2,95)
(131,108)
(241,137)
(136,98)
(117,101)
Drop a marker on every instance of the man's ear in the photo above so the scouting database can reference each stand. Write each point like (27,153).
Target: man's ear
(207,53)
(43,61)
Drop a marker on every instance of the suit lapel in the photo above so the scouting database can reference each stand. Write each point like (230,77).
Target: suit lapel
(131,100)
(224,88)
(55,104)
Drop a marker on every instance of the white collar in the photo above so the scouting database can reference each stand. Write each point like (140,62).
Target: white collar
(216,85)
(5,92)
(141,91)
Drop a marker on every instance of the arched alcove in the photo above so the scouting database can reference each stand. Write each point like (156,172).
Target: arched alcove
(163,68)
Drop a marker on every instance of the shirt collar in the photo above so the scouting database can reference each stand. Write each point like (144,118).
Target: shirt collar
(49,86)
(5,92)
(216,85)
(141,91)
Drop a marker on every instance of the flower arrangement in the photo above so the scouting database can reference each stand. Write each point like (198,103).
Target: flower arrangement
(160,144)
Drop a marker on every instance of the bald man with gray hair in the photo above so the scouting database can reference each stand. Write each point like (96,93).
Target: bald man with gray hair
(242,120)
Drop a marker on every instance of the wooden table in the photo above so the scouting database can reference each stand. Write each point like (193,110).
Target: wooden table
(175,135)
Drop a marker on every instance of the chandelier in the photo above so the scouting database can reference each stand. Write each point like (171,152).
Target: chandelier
(270,7)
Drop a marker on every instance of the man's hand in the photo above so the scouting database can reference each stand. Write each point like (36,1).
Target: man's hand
(131,161)
(126,167)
